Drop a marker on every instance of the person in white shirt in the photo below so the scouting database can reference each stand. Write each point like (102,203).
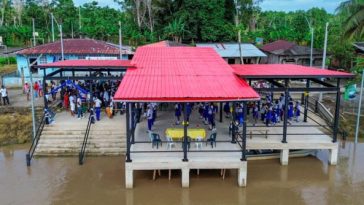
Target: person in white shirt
(97,108)
(79,108)
(72,104)
(4,95)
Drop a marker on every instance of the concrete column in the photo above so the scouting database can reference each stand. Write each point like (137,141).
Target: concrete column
(185,177)
(242,175)
(333,156)
(284,156)
(129,178)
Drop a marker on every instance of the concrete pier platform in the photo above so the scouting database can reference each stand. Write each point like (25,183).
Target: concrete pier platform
(226,155)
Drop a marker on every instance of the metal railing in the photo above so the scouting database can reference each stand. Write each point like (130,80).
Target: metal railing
(81,155)
(35,141)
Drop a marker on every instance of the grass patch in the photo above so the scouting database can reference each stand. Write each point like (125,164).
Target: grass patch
(15,128)
(4,69)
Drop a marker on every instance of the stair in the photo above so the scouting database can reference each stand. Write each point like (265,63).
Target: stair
(65,137)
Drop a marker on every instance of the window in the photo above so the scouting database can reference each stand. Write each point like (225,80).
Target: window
(231,60)
(43,60)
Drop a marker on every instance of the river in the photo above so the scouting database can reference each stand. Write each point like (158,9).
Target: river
(100,180)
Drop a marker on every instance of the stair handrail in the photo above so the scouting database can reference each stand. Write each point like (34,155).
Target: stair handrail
(81,155)
(35,140)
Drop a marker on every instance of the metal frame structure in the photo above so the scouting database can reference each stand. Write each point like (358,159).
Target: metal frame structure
(323,87)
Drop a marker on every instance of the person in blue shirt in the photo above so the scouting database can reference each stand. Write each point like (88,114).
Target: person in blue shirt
(290,110)
(227,110)
(188,110)
(240,114)
(201,110)
(177,112)
(269,116)
(205,113)
(211,116)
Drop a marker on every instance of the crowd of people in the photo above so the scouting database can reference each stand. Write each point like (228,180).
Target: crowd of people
(269,111)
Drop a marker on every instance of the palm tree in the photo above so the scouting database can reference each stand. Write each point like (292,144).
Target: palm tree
(175,30)
(353,12)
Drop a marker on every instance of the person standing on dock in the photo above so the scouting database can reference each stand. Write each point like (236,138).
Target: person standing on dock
(72,104)
(98,108)
(227,110)
(177,112)
(297,111)
(150,117)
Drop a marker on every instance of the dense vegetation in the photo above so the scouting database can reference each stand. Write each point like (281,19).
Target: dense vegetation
(187,21)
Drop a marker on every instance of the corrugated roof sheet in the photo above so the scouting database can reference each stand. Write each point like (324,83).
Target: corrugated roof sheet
(165,43)
(285,71)
(88,64)
(231,50)
(277,45)
(75,46)
(181,74)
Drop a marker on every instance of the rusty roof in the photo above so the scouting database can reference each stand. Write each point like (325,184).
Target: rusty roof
(75,46)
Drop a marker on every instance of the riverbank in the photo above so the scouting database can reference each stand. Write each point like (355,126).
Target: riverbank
(100,180)
(15,125)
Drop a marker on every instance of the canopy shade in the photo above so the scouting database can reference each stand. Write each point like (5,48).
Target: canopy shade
(277,71)
(181,74)
(88,64)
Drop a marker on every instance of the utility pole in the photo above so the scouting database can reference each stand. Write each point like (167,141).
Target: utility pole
(324,55)
(79,18)
(52,23)
(33,32)
(311,53)
(359,108)
(61,33)
(312,31)
(120,41)
(237,7)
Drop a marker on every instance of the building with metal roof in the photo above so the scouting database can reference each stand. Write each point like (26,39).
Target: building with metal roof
(231,54)
(285,52)
(73,49)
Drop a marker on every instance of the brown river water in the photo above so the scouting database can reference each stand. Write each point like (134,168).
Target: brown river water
(100,180)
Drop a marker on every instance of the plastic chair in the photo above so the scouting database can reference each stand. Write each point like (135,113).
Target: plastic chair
(170,143)
(212,140)
(198,142)
(156,140)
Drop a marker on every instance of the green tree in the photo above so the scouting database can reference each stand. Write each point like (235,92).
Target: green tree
(354,23)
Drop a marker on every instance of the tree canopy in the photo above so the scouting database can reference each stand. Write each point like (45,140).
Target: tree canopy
(187,21)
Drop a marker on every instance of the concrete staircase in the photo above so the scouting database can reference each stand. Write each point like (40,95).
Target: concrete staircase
(65,137)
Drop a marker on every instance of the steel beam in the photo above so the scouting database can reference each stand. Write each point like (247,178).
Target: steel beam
(306,102)
(337,112)
(285,114)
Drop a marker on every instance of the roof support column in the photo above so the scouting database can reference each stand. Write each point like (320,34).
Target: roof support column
(233,127)
(243,151)
(221,104)
(337,112)
(307,95)
(128,144)
(133,123)
(44,89)
(185,140)
(285,114)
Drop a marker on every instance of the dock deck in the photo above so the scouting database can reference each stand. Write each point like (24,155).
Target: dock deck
(226,155)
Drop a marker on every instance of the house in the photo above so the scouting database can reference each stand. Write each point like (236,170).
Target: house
(73,49)
(231,54)
(285,52)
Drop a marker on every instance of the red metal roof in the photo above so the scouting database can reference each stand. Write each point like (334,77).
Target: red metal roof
(88,64)
(285,71)
(75,46)
(157,44)
(277,45)
(181,74)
